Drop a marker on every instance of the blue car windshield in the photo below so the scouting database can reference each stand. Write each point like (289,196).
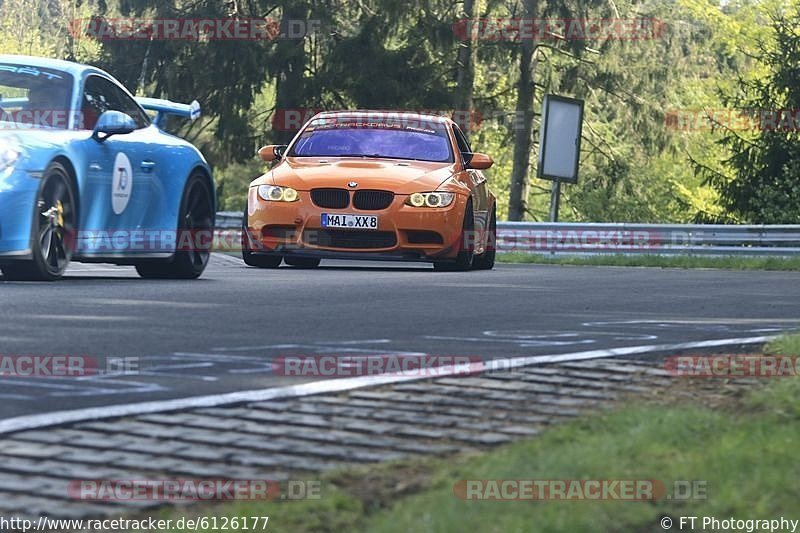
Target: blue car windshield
(401,139)
(34,97)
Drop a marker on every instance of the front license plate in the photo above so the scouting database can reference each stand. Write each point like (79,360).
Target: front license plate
(349,221)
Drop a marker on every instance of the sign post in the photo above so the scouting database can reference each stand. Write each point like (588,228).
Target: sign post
(559,144)
(555,197)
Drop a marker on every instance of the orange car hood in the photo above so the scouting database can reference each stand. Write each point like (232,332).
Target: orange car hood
(401,177)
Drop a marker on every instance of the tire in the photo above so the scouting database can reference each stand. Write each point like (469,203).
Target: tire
(54,230)
(302,262)
(466,254)
(252,259)
(196,215)
(485,261)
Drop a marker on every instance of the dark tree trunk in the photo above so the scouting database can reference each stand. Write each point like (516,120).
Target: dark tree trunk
(523,122)
(290,87)
(467,57)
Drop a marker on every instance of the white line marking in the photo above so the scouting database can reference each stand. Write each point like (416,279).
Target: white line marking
(516,362)
(215,357)
(132,303)
(375,341)
(495,286)
(178,376)
(699,321)
(109,318)
(292,346)
(22,423)
(524,343)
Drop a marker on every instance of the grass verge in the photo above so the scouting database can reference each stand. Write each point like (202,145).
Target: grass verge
(744,454)
(721,262)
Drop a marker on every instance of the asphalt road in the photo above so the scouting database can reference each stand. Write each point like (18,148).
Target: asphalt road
(221,333)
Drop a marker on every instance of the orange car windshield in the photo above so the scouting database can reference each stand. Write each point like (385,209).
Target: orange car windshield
(376,139)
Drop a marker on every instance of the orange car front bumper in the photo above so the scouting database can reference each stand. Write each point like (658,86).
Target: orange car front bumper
(403,233)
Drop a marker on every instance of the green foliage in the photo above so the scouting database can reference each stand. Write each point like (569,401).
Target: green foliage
(226,76)
(755,173)
(762,185)
(658,261)
(45,28)
(232,183)
(788,345)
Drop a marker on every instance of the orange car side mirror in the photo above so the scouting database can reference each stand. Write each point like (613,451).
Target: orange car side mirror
(271,152)
(480,161)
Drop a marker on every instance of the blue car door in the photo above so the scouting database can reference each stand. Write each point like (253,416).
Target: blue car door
(122,197)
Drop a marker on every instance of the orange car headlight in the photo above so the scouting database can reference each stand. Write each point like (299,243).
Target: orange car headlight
(430,199)
(275,193)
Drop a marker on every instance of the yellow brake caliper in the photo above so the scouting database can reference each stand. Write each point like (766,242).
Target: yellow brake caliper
(59,214)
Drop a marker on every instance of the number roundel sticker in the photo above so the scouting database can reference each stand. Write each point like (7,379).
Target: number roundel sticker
(121,184)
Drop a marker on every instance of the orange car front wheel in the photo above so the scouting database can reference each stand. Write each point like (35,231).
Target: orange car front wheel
(466,248)
(486,260)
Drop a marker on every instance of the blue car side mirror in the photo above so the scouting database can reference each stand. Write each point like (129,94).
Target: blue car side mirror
(112,123)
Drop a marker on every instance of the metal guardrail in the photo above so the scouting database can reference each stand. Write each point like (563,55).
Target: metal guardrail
(656,239)
(660,239)
(229,220)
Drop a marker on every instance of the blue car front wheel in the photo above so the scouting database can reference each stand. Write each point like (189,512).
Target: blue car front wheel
(53,231)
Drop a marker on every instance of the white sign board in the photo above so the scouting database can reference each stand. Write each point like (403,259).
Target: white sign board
(560,138)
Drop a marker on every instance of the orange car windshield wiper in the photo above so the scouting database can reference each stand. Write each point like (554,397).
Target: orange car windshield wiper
(381,156)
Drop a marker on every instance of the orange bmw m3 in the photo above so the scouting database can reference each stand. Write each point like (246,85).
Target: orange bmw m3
(372,185)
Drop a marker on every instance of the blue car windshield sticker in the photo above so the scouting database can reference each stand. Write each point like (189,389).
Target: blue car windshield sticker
(121,184)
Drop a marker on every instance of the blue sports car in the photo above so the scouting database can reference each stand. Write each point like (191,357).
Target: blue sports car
(87,173)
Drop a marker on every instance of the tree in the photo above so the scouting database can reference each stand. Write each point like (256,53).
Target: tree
(466,60)
(523,139)
(45,28)
(291,61)
(224,75)
(760,181)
